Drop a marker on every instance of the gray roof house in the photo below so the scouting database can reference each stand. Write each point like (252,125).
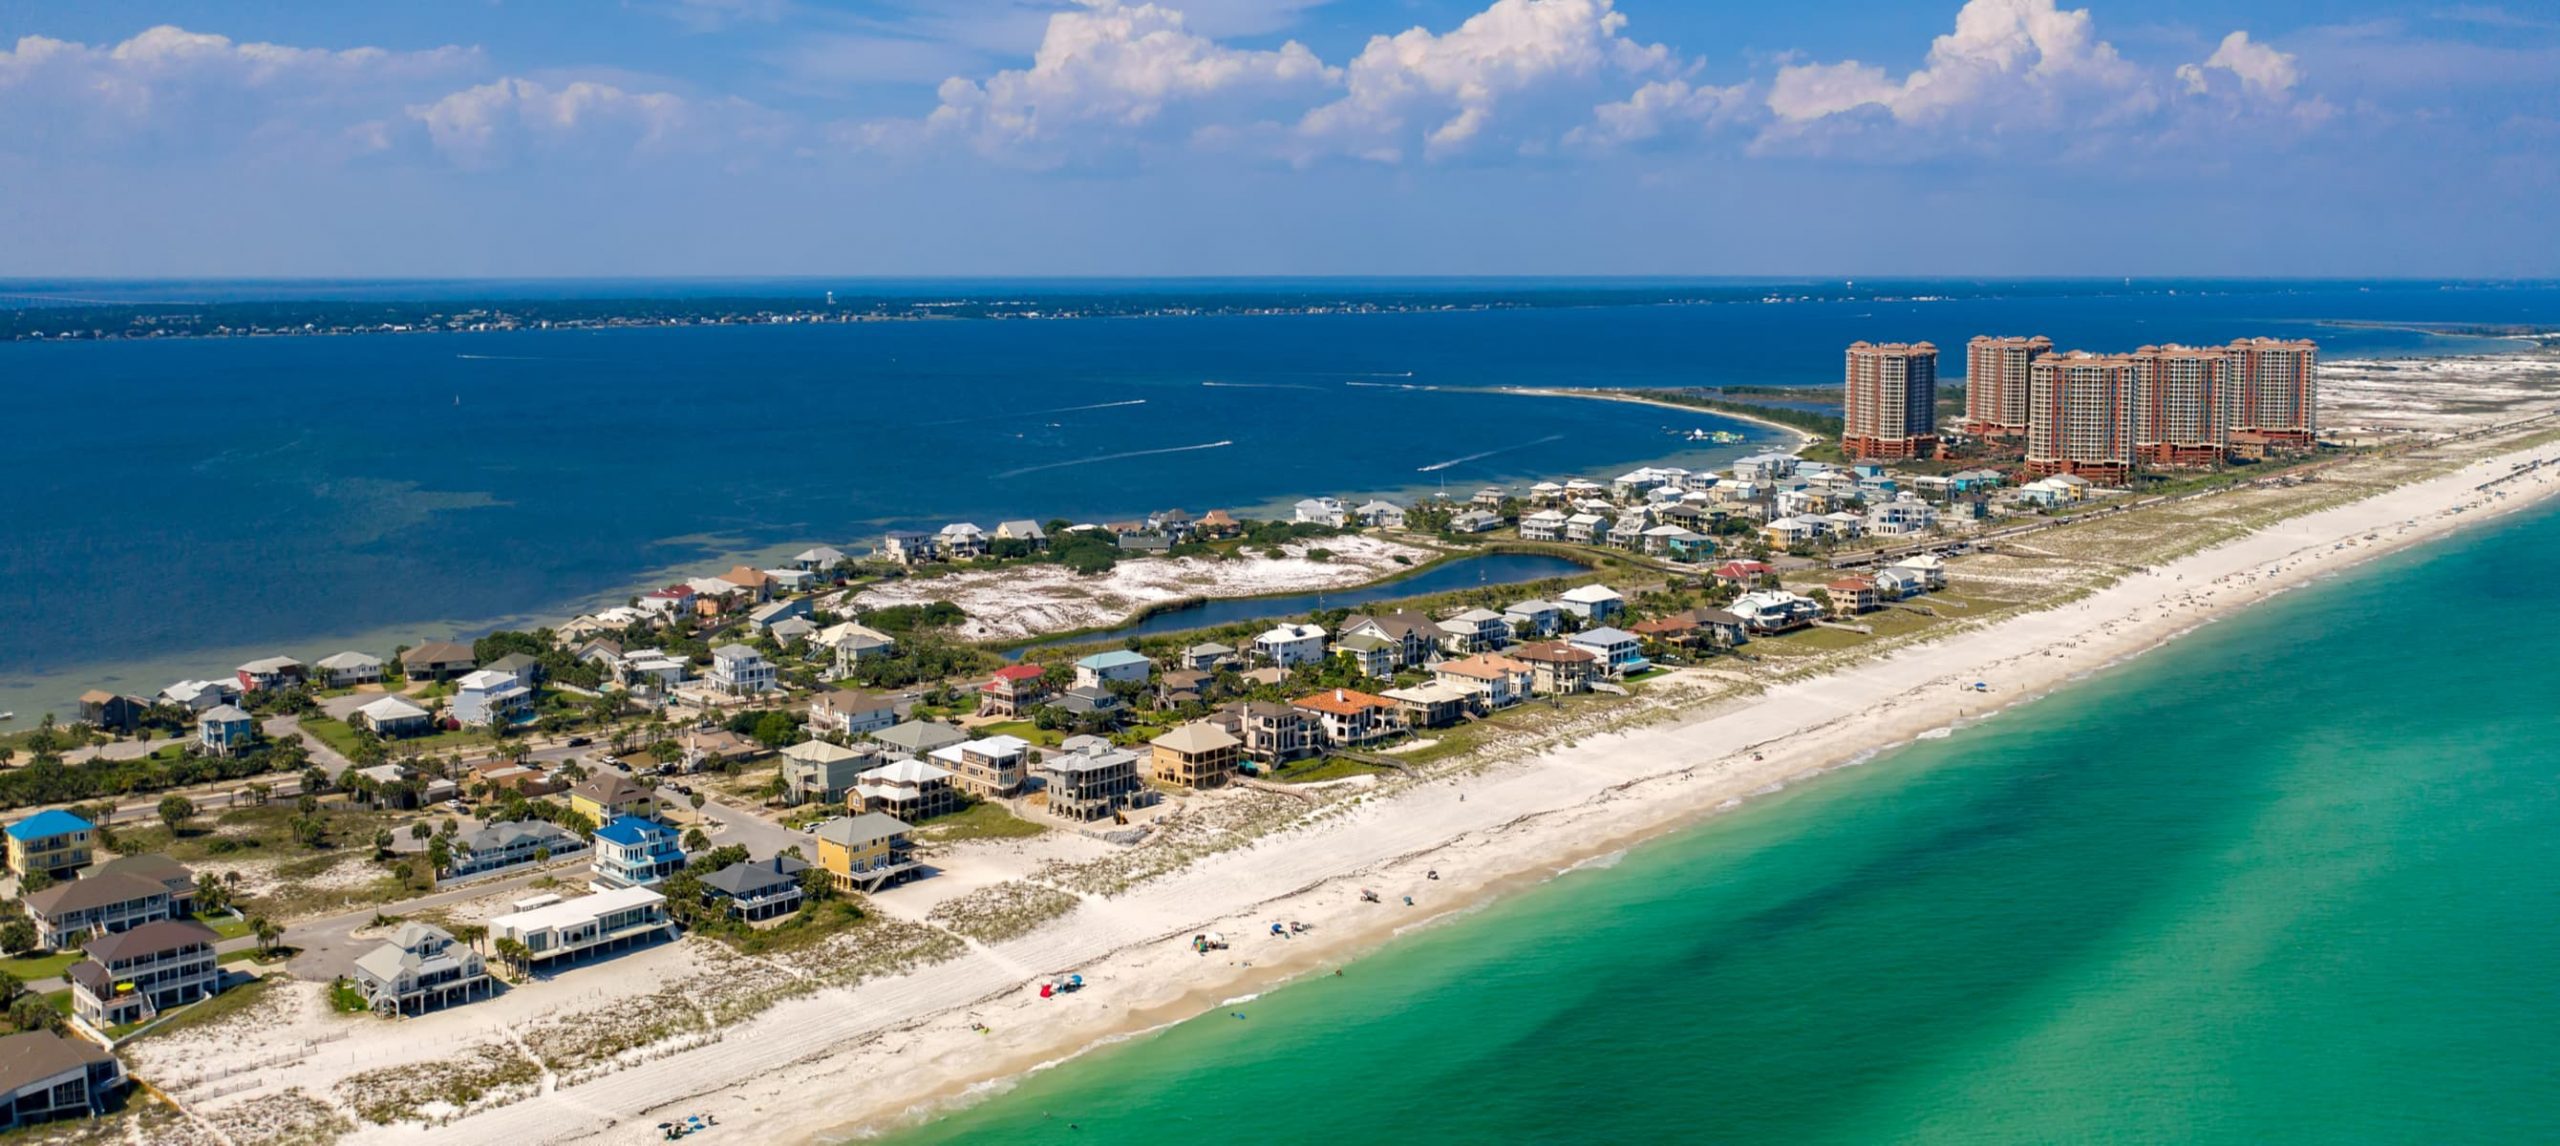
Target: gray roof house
(420,969)
(920,737)
(757,889)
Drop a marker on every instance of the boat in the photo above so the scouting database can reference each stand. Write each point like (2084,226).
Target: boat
(8,716)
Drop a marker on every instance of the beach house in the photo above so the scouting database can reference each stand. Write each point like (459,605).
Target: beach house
(1321,511)
(225,730)
(1851,595)
(1774,610)
(917,737)
(849,714)
(608,795)
(101,903)
(1594,604)
(741,671)
(1016,689)
(1474,631)
(552,929)
(814,770)
(1930,568)
(350,668)
(392,717)
(437,660)
(1195,755)
(1416,636)
(765,616)
(1290,645)
(1620,651)
(198,695)
(633,852)
(961,541)
(757,890)
(486,698)
(44,1076)
(421,968)
(1473,521)
(510,843)
(1534,618)
(1370,654)
(53,842)
(851,644)
(1273,734)
(864,853)
(818,559)
(989,767)
(269,673)
(1557,668)
(1493,681)
(1544,525)
(910,790)
(1102,670)
(1347,718)
(1432,704)
(132,975)
(1092,782)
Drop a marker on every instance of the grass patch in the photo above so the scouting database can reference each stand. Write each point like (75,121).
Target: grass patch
(981,821)
(29,968)
(996,913)
(812,925)
(221,1006)
(224,927)
(1326,768)
(262,831)
(345,999)
(1023,729)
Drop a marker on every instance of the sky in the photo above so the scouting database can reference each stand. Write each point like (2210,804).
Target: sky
(471,138)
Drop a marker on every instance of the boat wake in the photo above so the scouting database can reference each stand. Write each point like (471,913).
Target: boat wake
(1112,458)
(1262,386)
(500,358)
(1031,413)
(1436,467)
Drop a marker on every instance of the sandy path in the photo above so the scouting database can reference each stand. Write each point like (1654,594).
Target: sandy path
(842,1058)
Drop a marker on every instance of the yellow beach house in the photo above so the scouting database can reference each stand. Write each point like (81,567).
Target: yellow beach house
(54,842)
(866,852)
(607,796)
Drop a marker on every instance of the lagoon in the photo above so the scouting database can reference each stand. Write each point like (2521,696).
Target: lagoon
(1448,576)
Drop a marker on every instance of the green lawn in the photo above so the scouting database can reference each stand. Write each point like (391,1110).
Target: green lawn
(237,999)
(1327,768)
(978,822)
(29,968)
(224,926)
(1024,729)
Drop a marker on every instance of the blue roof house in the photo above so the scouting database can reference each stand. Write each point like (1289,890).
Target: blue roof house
(1118,665)
(633,852)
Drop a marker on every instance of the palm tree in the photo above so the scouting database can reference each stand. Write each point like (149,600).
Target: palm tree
(267,933)
(471,933)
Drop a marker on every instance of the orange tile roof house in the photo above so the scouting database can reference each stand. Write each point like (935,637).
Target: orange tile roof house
(1348,717)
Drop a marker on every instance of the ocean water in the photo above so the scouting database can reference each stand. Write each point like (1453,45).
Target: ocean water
(2287,880)
(170,508)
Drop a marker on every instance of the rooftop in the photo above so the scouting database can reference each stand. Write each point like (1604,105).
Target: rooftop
(47,824)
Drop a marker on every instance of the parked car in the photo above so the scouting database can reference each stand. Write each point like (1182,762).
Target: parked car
(581,741)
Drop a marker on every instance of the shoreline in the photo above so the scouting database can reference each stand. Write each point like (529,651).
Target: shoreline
(914,1049)
(1804,437)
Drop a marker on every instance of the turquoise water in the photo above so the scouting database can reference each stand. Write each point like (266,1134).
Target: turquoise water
(2290,879)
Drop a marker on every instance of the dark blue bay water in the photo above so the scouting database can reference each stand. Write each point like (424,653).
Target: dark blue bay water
(170,507)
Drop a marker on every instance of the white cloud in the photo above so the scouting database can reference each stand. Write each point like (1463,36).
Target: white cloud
(1660,106)
(477,125)
(2006,60)
(2261,70)
(169,82)
(1449,86)
(1111,65)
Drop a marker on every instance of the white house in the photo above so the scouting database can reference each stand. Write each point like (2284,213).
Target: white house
(1929,567)
(741,671)
(961,540)
(1544,525)
(551,928)
(1541,618)
(646,667)
(1382,515)
(1474,521)
(1288,646)
(1587,528)
(1475,631)
(393,716)
(1774,610)
(1905,514)
(487,697)
(1593,603)
(818,559)
(1321,511)
(200,695)
(1620,651)
(348,668)
(1118,665)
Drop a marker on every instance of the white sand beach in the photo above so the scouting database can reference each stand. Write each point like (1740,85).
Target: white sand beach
(831,1064)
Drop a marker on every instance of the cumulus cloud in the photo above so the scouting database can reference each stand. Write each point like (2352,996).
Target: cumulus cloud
(478,125)
(2260,69)
(1111,65)
(1660,107)
(173,85)
(2006,60)
(1449,86)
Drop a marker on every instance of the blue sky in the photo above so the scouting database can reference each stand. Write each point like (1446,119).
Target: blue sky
(976,137)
